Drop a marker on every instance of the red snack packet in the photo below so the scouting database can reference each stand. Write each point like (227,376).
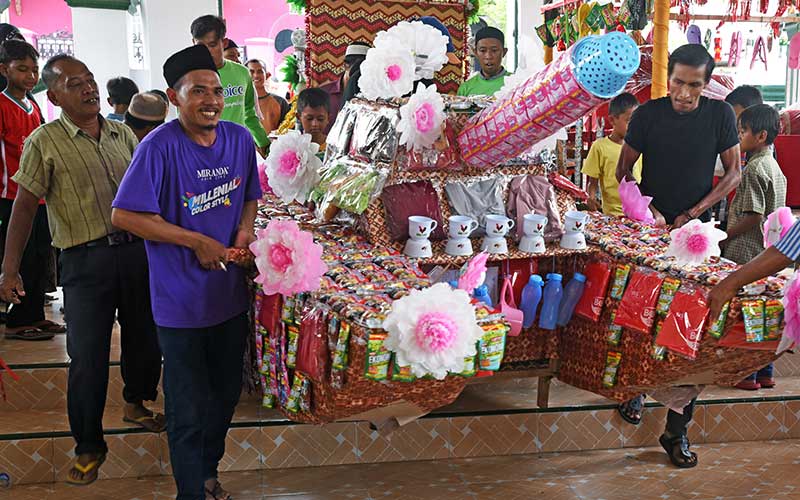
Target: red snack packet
(590,305)
(312,351)
(685,322)
(637,310)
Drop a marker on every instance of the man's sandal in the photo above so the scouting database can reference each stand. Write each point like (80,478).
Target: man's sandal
(89,472)
(152,423)
(677,449)
(217,493)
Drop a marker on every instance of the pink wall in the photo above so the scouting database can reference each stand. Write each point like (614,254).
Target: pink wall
(253,18)
(42,16)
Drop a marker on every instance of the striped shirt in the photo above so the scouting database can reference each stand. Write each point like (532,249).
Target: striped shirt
(77,175)
(789,245)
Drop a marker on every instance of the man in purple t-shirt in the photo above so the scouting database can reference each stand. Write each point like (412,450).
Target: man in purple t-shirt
(191,191)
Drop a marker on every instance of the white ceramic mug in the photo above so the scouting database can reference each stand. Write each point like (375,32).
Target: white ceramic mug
(462,226)
(575,221)
(533,224)
(420,228)
(498,225)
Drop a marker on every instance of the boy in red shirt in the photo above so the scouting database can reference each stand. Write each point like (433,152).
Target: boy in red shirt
(19,116)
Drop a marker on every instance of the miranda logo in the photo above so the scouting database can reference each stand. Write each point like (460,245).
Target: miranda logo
(208,174)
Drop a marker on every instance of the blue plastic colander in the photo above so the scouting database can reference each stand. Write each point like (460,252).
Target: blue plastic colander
(604,63)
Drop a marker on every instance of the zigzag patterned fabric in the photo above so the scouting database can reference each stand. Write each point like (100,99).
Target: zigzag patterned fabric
(332,25)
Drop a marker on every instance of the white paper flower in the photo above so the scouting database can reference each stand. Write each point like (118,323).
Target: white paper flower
(433,330)
(293,167)
(695,242)
(387,73)
(428,45)
(421,118)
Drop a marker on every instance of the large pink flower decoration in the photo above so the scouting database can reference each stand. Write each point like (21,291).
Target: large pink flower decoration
(263,178)
(387,72)
(634,205)
(432,330)
(777,225)
(791,314)
(421,118)
(695,242)
(287,259)
(473,273)
(292,167)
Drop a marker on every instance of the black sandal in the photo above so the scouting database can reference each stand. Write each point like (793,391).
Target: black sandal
(631,410)
(677,449)
(218,493)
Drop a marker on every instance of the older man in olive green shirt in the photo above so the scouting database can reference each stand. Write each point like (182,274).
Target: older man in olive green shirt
(76,164)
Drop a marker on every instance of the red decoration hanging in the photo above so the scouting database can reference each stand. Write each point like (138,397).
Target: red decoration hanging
(763,6)
(717,48)
(746,5)
(759,53)
(776,26)
(733,9)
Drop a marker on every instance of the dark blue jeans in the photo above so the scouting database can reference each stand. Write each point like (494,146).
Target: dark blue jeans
(202,383)
(765,372)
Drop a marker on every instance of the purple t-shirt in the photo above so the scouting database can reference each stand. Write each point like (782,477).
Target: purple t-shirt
(202,189)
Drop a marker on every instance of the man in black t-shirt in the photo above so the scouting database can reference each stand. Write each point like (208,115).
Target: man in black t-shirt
(680,137)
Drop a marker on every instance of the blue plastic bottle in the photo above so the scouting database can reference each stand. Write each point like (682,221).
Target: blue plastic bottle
(572,294)
(482,293)
(453,283)
(531,295)
(551,300)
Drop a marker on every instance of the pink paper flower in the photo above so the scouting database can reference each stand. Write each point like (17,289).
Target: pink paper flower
(292,167)
(432,330)
(695,242)
(387,73)
(777,225)
(634,205)
(287,259)
(421,118)
(263,178)
(473,273)
(791,314)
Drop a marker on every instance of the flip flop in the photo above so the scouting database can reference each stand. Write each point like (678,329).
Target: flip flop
(51,327)
(677,449)
(152,423)
(632,406)
(218,493)
(30,334)
(89,471)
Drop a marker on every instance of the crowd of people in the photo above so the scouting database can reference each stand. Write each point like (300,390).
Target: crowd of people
(141,211)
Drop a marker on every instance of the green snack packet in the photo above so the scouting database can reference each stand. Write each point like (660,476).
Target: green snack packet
(293,401)
(554,27)
(621,273)
(668,290)
(773,315)
(609,16)
(469,367)
(491,348)
(595,18)
(614,331)
(402,373)
(268,401)
(287,313)
(613,360)
(342,344)
(753,312)
(305,396)
(624,14)
(378,358)
(291,349)
(659,351)
(544,34)
(718,327)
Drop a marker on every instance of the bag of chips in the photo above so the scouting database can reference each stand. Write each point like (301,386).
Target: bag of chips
(684,325)
(637,310)
(590,305)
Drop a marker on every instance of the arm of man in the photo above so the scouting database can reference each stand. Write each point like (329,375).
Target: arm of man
(627,159)
(744,224)
(246,233)
(591,189)
(731,161)
(251,119)
(19,230)
(153,227)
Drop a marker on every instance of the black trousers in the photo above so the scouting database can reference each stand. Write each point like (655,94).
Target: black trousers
(677,424)
(99,283)
(33,267)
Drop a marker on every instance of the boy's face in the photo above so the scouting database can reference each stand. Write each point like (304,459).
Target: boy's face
(314,120)
(21,74)
(750,141)
(620,123)
(490,54)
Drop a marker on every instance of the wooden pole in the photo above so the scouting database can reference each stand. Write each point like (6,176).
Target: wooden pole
(660,48)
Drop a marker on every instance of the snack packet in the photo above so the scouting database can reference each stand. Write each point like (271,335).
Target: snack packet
(659,352)
(378,358)
(342,345)
(469,367)
(590,305)
(291,349)
(683,326)
(614,331)
(637,310)
(613,360)
(287,312)
(718,326)
(753,313)
(773,315)
(668,290)
(401,373)
(293,402)
(492,347)
(621,273)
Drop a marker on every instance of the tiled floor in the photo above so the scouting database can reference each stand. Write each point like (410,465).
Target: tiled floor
(757,470)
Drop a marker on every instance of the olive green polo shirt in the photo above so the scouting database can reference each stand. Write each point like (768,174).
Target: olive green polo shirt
(77,175)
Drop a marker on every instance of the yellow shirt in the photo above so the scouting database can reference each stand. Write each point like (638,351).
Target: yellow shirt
(601,164)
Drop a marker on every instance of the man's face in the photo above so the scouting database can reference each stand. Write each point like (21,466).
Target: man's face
(232,54)
(257,73)
(214,45)
(686,85)
(314,120)
(199,97)
(490,54)
(22,74)
(75,90)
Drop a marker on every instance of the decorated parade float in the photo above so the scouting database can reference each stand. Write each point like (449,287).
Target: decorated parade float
(436,244)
